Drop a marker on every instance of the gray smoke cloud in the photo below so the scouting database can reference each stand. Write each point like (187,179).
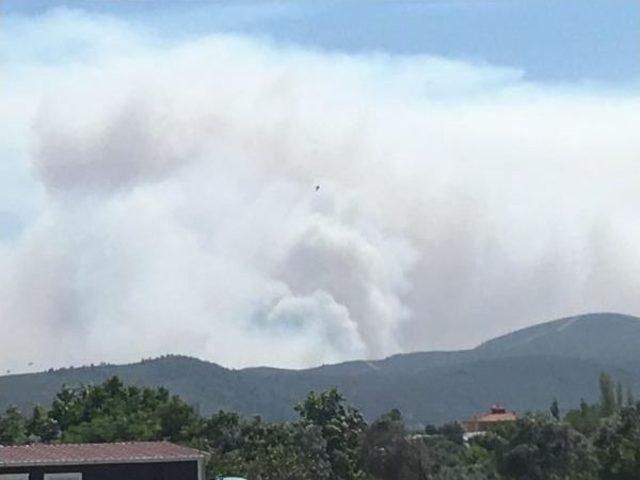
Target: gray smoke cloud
(177,208)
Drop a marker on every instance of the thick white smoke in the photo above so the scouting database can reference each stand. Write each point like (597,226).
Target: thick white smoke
(181,214)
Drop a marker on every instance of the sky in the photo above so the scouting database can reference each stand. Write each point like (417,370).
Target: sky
(160,164)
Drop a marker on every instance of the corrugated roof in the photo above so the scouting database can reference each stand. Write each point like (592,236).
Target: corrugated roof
(83,453)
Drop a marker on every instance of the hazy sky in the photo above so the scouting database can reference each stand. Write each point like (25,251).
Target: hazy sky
(477,163)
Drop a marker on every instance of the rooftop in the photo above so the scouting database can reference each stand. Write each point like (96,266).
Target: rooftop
(496,417)
(497,414)
(96,453)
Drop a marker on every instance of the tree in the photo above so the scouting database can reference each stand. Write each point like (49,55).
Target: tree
(466,472)
(225,435)
(379,445)
(619,396)
(263,451)
(113,412)
(289,451)
(475,463)
(222,431)
(618,446)
(341,427)
(177,419)
(42,426)
(607,394)
(555,409)
(586,419)
(13,429)
(389,453)
(540,449)
(452,431)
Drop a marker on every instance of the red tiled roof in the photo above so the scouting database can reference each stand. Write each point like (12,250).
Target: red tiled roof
(81,453)
(497,417)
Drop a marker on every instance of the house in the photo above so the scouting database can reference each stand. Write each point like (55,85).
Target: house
(496,415)
(101,461)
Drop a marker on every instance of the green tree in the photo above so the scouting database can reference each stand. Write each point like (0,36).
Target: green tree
(586,419)
(177,419)
(452,431)
(42,426)
(263,451)
(619,396)
(222,431)
(540,449)
(466,472)
(113,412)
(390,453)
(13,429)
(380,445)
(341,427)
(476,463)
(289,451)
(555,409)
(607,394)
(630,399)
(225,435)
(618,446)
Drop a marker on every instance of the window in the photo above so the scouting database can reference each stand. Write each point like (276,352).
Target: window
(63,476)
(14,476)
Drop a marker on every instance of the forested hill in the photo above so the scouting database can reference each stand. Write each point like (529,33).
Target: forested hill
(524,370)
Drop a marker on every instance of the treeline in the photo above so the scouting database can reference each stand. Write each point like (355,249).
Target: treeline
(332,441)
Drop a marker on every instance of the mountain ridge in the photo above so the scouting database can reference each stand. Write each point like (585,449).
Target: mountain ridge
(525,370)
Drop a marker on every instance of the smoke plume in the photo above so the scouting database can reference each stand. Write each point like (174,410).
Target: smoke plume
(177,208)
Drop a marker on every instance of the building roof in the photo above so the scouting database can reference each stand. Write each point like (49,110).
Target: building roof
(496,417)
(96,453)
(496,414)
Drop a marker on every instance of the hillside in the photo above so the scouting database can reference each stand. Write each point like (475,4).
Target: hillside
(524,370)
(602,337)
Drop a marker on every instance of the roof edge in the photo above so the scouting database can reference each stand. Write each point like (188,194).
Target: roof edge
(106,461)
